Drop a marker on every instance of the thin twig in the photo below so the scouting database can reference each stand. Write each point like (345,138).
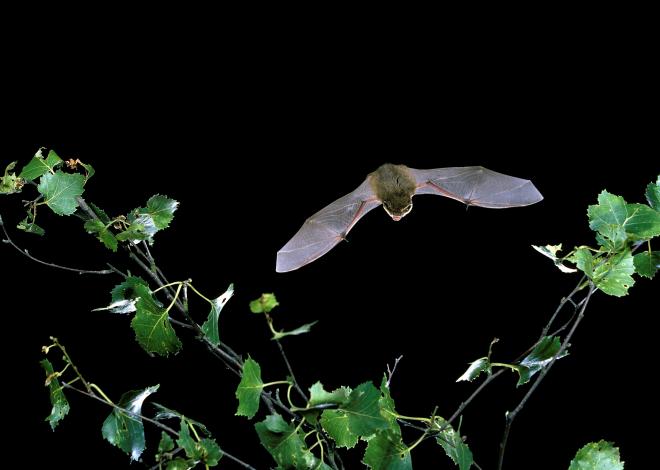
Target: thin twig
(290,369)
(568,298)
(24,252)
(390,372)
(512,415)
(477,391)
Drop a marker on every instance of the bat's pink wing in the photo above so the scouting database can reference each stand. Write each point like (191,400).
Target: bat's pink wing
(322,231)
(477,186)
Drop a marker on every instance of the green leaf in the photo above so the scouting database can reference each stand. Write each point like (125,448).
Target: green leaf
(551,252)
(249,389)
(584,261)
(39,166)
(264,304)
(100,213)
(597,456)
(646,264)
(166,443)
(89,170)
(57,399)
(476,368)
(125,429)
(210,326)
(386,451)
(206,450)
(161,209)
(653,194)
(126,290)
(145,222)
(318,395)
(540,356)
(298,331)
(103,234)
(151,324)
(286,445)
(359,417)
(180,464)
(135,233)
(614,275)
(27,225)
(10,183)
(61,190)
(612,215)
(454,447)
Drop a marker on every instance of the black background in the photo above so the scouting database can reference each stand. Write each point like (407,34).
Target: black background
(257,134)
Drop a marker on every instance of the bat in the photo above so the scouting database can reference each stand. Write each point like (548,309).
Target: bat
(394,186)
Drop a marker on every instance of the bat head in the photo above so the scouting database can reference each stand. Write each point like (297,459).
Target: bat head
(398,207)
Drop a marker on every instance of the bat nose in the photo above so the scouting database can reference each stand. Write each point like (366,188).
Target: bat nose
(396,218)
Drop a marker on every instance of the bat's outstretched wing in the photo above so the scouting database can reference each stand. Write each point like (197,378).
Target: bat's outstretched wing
(322,231)
(476,186)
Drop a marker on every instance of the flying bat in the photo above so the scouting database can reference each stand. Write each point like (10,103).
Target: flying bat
(393,186)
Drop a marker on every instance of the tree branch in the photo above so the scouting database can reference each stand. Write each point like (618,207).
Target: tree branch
(24,252)
(512,415)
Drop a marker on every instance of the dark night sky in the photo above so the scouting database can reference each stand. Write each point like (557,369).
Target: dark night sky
(253,149)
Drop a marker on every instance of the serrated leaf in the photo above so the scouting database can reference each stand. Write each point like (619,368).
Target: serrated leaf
(612,214)
(477,367)
(286,445)
(457,450)
(30,227)
(39,165)
(614,275)
(125,429)
(161,209)
(359,417)
(180,464)
(540,356)
(264,304)
(166,443)
(306,328)
(249,389)
(145,222)
(61,190)
(126,290)
(386,405)
(89,170)
(584,261)
(647,264)
(135,232)
(57,399)
(102,232)
(653,194)
(100,213)
(318,395)
(206,450)
(597,456)
(9,182)
(151,324)
(210,326)
(386,451)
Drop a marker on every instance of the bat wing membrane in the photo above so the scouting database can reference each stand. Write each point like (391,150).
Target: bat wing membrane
(477,186)
(322,231)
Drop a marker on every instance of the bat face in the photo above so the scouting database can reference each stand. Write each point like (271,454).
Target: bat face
(397,209)
(393,186)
